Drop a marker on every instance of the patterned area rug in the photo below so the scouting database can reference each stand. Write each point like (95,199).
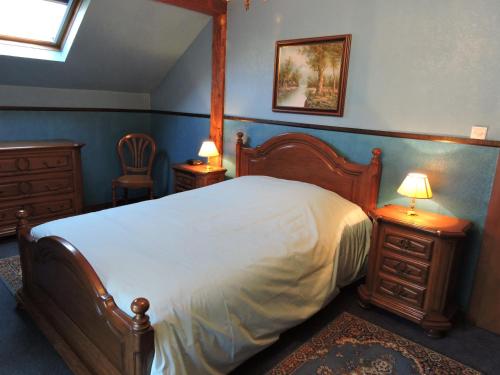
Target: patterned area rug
(10,273)
(353,346)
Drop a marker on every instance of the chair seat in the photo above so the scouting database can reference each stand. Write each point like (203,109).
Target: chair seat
(134,181)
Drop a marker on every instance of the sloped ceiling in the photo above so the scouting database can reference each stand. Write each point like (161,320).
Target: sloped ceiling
(122,45)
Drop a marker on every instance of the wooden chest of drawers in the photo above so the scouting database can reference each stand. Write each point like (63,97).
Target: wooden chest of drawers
(412,266)
(188,177)
(43,178)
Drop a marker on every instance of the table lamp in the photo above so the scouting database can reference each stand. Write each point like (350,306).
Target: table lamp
(208,150)
(415,186)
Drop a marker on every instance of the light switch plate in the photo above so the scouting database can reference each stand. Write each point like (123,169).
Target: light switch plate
(479,132)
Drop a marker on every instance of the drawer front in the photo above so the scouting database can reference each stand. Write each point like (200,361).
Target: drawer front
(36,186)
(55,208)
(405,269)
(29,163)
(214,178)
(410,295)
(179,189)
(38,210)
(185,181)
(408,243)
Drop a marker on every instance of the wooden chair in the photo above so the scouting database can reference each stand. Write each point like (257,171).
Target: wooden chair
(136,161)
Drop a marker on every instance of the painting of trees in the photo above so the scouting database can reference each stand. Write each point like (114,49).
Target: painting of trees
(335,59)
(311,74)
(289,74)
(317,58)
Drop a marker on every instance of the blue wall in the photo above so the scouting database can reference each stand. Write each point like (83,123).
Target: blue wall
(421,66)
(98,130)
(460,188)
(416,66)
(179,138)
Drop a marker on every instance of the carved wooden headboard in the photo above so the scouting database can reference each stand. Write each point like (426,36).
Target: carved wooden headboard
(301,157)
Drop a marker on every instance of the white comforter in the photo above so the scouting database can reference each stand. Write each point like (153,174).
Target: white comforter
(226,268)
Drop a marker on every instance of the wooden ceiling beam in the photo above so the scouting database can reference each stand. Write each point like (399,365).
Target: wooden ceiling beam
(219,37)
(218,10)
(210,7)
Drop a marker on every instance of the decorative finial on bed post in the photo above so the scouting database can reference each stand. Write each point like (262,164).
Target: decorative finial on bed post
(376,152)
(23,227)
(240,136)
(140,321)
(239,146)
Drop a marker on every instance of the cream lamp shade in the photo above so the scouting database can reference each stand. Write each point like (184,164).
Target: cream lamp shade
(415,186)
(208,150)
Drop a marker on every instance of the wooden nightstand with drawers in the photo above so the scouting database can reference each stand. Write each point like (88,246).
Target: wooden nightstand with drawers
(412,266)
(189,177)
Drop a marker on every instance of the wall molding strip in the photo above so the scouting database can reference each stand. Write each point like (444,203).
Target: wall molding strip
(72,109)
(184,114)
(380,133)
(250,120)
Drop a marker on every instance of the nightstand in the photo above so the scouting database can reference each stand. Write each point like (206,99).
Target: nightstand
(188,177)
(412,266)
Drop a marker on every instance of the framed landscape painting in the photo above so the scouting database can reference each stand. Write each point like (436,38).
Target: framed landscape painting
(310,75)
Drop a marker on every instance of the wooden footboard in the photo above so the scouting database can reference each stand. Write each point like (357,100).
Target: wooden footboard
(65,297)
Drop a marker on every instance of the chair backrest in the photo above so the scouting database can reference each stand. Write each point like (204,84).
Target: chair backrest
(136,153)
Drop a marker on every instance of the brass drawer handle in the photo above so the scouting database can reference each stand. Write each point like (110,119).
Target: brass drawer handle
(401,268)
(53,188)
(398,290)
(23,164)
(46,164)
(405,243)
(25,187)
(54,210)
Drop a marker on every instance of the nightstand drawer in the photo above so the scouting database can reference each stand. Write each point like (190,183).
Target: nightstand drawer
(395,265)
(215,178)
(179,189)
(185,180)
(409,294)
(188,177)
(406,242)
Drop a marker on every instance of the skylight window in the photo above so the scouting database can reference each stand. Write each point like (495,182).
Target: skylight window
(41,22)
(40,29)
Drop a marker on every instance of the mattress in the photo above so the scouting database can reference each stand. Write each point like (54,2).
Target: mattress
(226,268)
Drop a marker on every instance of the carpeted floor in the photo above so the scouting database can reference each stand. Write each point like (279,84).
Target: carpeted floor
(10,273)
(24,350)
(351,345)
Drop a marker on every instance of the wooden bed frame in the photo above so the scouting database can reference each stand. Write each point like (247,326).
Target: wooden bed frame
(65,297)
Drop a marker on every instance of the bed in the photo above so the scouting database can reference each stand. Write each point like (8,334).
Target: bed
(266,257)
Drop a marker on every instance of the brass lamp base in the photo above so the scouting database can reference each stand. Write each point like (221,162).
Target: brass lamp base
(411,211)
(208,167)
